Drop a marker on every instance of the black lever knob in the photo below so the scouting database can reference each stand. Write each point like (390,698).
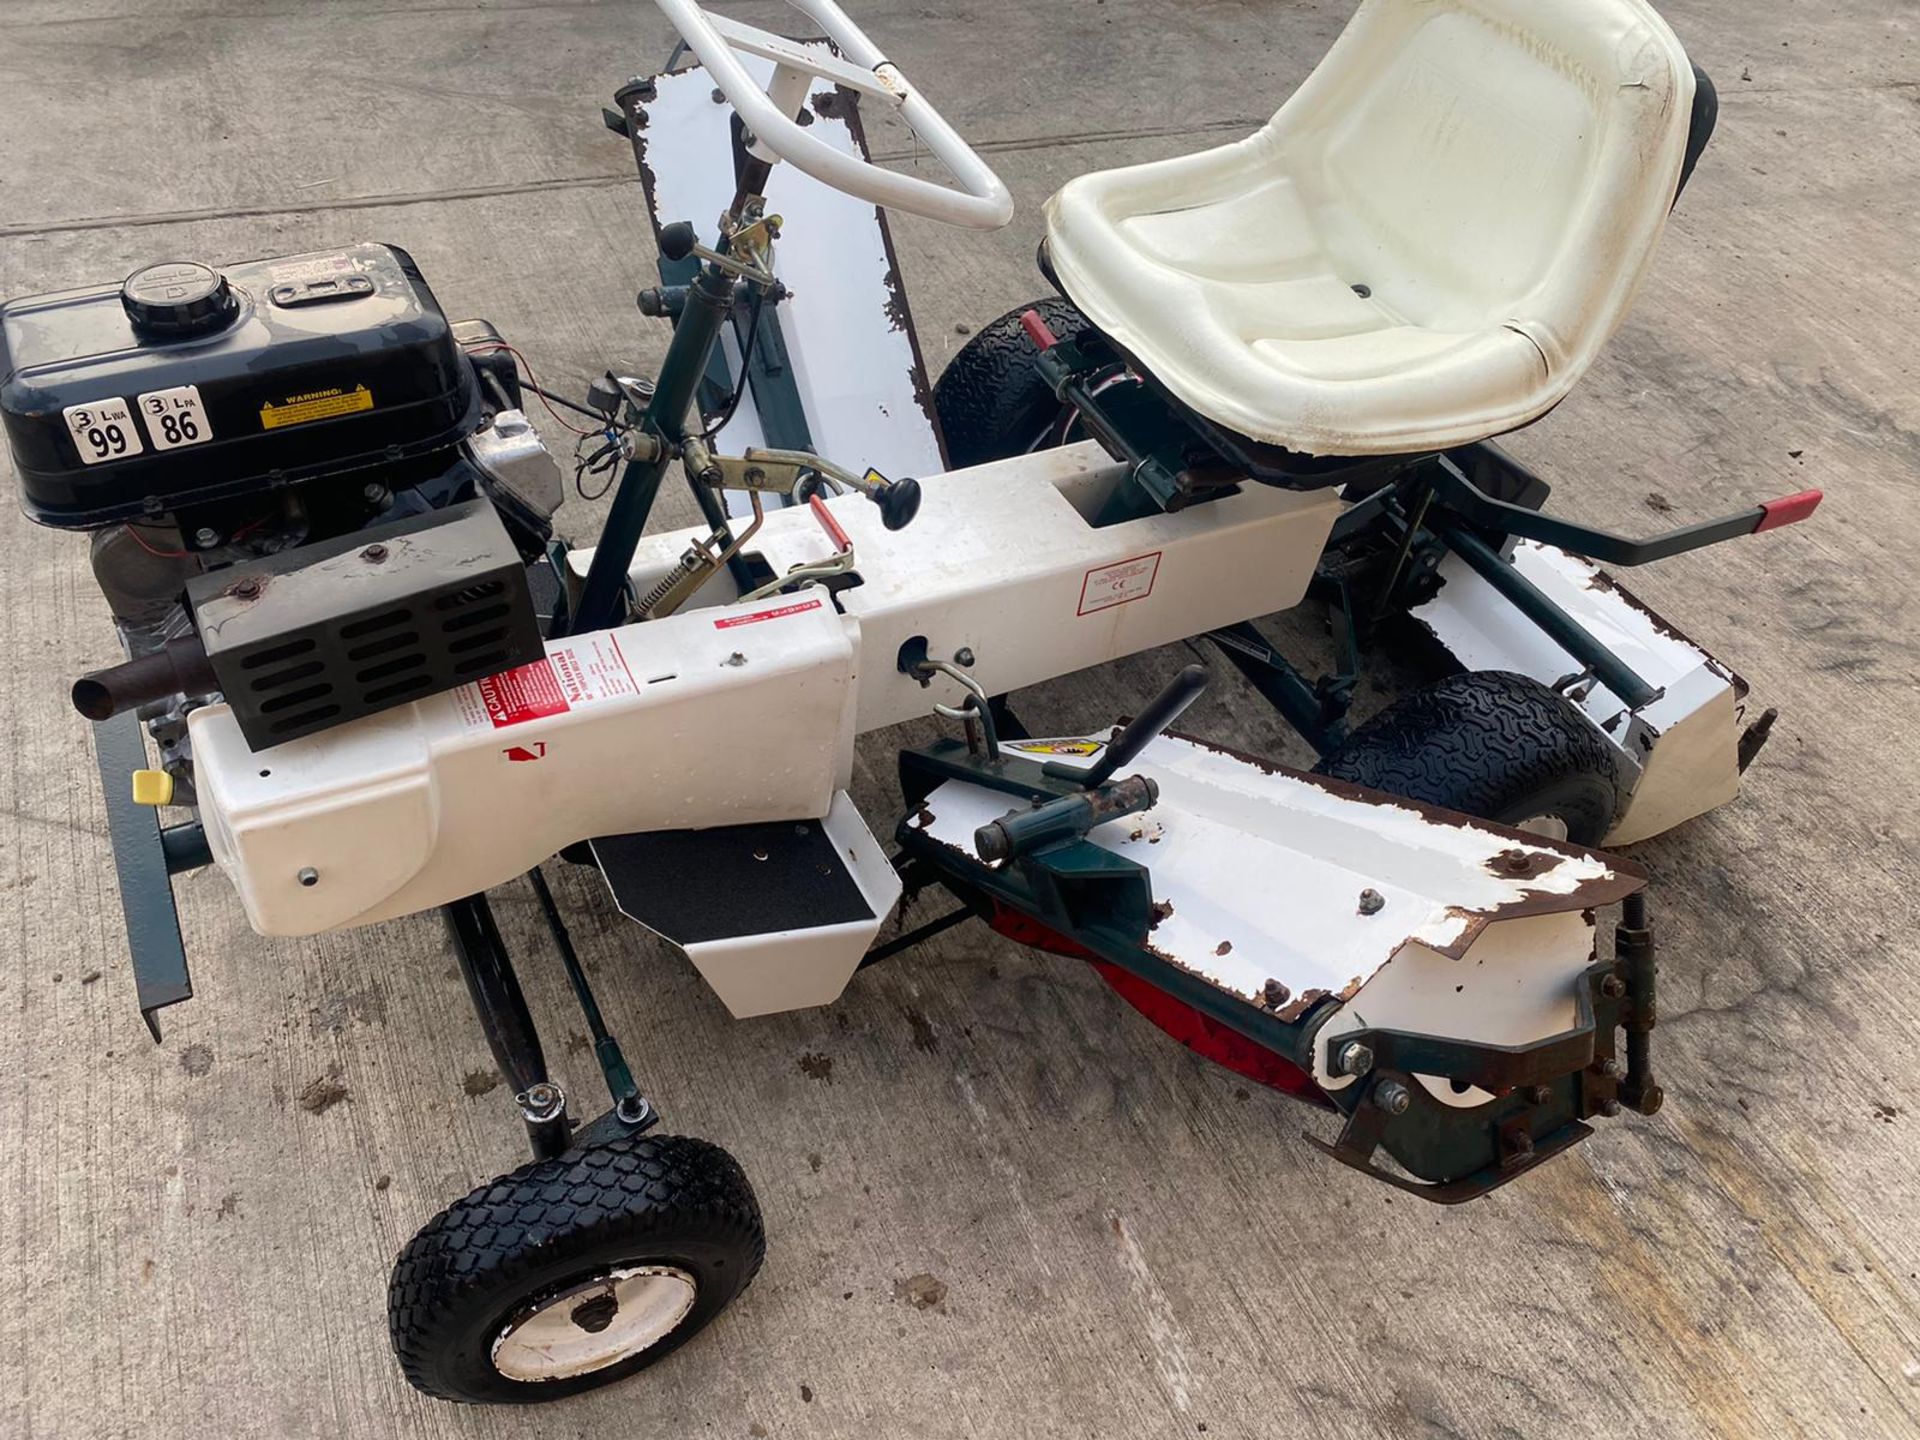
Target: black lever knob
(899,502)
(677,240)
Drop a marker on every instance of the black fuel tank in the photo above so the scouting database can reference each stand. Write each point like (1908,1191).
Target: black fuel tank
(187,384)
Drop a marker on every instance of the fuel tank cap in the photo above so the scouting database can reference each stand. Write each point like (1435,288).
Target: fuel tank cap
(178,297)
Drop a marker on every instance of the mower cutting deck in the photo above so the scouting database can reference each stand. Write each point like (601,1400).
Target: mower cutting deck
(323,521)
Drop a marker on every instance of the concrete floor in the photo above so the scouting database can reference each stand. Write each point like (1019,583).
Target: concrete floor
(1125,1241)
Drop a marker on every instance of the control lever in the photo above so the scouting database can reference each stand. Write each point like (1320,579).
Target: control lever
(1160,712)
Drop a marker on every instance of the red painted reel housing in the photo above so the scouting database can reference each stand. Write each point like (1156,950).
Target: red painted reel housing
(1201,1034)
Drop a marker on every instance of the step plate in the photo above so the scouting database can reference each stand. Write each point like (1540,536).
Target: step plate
(775,916)
(694,886)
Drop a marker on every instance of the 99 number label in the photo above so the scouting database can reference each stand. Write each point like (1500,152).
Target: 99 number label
(175,417)
(103,431)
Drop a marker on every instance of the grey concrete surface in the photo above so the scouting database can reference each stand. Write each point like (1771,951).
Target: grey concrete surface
(1129,1242)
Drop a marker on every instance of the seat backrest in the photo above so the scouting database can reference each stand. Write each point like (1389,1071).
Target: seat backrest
(1496,161)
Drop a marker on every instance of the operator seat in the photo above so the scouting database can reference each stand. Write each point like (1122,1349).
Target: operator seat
(1426,246)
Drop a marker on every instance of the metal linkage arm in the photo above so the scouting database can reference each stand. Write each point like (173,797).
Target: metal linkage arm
(1456,493)
(503,1014)
(1530,600)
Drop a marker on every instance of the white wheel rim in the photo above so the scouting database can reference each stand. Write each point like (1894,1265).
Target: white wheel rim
(595,1323)
(1547,827)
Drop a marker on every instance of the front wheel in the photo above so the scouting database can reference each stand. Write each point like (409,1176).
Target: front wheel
(573,1272)
(1493,745)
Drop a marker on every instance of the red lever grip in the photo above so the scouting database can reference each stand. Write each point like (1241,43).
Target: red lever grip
(1788,510)
(1037,331)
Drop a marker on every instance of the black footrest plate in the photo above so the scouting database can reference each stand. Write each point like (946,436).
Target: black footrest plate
(695,886)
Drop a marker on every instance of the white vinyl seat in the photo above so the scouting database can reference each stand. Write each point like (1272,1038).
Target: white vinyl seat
(1426,246)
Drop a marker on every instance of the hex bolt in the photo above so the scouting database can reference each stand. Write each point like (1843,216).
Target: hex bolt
(1372,902)
(308,877)
(1393,1097)
(1522,1144)
(1611,1068)
(1539,1094)
(374,493)
(963,657)
(206,537)
(633,1110)
(1613,987)
(1355,1058)
(1275,994)
(541,1102)
(247,589)
(374,554)
(1610,1108)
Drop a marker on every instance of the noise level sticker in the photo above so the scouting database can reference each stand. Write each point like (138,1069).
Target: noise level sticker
(315,405)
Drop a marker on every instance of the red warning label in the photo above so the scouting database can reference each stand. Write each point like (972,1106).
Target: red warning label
(528,693)
(784,610)
(576,672)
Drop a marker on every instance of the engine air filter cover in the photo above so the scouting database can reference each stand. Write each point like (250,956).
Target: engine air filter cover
(314,637)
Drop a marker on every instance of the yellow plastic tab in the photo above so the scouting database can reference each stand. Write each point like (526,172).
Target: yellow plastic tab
(152,787)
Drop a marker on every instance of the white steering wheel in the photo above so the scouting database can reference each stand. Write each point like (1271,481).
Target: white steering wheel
(981,204)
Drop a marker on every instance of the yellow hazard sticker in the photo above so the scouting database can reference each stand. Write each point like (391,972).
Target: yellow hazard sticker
(315,405)
(1056,747)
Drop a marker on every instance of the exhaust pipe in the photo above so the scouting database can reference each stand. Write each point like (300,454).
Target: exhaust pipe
(180,667)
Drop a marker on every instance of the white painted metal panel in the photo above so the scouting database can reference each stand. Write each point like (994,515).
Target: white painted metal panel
(1258,872)
(1682,749)
(425,803)
(861,383)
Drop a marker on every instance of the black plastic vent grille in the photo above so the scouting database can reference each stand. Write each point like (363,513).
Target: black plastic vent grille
(394,615)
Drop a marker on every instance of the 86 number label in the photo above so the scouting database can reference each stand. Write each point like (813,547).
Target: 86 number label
(175,417)
(103,431)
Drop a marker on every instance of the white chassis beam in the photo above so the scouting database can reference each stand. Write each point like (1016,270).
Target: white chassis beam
(729,714)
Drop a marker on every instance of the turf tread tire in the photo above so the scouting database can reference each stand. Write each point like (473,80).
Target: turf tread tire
(1490,744)
(991,402)
(644,1199)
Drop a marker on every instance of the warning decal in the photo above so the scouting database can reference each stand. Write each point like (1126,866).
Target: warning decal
(531,692)
(1116,584)
(1054,747)
(576,673)
(732,620)
(315,405)
(592,668)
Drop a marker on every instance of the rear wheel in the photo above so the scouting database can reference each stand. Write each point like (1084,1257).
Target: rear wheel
(574,1272)
(992,403)
(1494,745)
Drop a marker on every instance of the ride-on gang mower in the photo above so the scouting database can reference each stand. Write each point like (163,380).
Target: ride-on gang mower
(1273,371)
